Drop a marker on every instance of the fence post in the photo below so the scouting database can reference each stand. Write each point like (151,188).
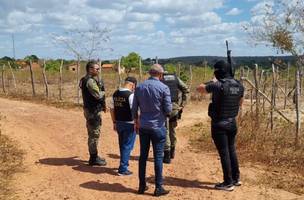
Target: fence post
(60,80)
(77,79)
(119,73)
(3,79)
(272,96)
(32,79)
(140,69)
(257,98)
(286,85)
(45,80)
(298,107)
(13,75)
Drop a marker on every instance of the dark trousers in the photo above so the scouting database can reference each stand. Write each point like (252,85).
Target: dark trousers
(158,138)
(223,135)
(126,139)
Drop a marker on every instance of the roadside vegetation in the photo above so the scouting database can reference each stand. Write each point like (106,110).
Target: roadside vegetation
(11,159)
(258,146)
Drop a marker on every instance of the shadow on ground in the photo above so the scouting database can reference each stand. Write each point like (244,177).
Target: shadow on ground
(184,183)
(78,165)
(109,187)
(136,158)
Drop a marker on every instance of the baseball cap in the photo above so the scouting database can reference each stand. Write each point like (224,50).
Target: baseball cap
(131,79)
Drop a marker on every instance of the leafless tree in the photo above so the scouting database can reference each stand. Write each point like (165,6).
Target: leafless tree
(84,45)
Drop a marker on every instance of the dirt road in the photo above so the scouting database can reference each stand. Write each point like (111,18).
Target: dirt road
(56,152)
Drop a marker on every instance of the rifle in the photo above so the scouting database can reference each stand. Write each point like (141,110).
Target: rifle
(229,59)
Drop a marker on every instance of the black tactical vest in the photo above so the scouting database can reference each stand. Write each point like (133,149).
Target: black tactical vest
(89,101)
(172,82)
(122,109)
(226,103)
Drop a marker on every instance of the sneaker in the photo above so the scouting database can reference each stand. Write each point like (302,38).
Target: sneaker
(126,173)
(142,189)
(224,186)
(237,183)
(160,191)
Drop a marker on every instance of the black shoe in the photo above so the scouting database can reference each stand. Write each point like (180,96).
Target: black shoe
(160,191)
(167,158)
(224,186)
(142,189)
(96,160)
(172,152)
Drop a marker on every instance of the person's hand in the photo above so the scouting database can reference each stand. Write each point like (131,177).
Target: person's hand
(214,79)
(105,110)
(136,126)
(201,88)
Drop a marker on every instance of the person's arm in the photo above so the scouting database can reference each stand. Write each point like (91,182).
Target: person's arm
(185,90)
(202,88)
(167,104)
(134,110)
(94,89)
(111,106)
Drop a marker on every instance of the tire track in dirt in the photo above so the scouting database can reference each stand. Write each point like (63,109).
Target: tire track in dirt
(56,152)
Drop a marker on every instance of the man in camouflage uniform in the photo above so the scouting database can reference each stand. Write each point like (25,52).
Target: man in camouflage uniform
(93,95)
(178,91)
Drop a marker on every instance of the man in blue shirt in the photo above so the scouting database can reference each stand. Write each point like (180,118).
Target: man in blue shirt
(153,99)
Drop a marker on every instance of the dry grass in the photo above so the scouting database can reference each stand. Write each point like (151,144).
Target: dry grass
(11,159)
(276,151)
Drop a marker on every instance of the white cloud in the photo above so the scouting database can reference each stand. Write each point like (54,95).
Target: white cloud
(135,24)
(234,11)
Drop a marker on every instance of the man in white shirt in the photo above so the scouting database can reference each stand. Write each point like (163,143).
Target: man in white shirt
(123,122)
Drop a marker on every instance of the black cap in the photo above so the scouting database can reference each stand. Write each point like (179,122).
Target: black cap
(221,65)
(221,69)
(131,79)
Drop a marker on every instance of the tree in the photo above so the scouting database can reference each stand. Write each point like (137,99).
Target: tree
(84,44)
(130,61)
(280,25)
(53,65)
(33,58)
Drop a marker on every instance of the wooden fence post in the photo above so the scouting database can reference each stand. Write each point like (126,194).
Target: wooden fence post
(3,79)
(77,80)
(60,80)
(272,96)
(242,82)
(286,85)
(140,70)
(257,98)
(298,107)
(32,79)
(13,75)
(45,80)
(119,73)
(191,78)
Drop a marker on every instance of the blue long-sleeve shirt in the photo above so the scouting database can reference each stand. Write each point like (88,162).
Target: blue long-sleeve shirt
(153,99)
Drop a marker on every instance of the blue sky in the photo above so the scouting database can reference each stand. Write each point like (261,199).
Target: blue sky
(163,28)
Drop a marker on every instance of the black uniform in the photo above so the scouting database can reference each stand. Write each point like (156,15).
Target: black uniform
(226,95)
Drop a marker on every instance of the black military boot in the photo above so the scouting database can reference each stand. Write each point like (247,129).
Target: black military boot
(96,160)
(172,152)
(167,158)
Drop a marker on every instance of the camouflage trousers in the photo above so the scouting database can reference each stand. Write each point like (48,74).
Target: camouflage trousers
(171,134)
(93,122)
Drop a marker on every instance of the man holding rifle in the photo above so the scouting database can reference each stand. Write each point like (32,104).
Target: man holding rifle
(227,97)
